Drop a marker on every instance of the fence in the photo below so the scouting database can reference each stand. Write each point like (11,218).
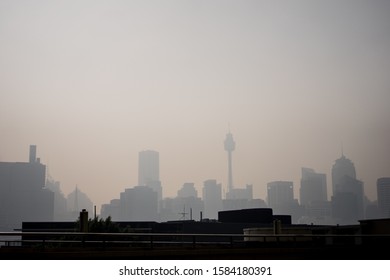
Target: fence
(152,240)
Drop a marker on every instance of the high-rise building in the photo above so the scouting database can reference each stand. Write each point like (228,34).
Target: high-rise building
(149,171)
(341,168)
(230,145)
(313,197)
(60,207)
(148,167)
(187,190)
(348,193)
(313,187)
(383,192)
(280,193)
(112,209)
(212,198)
(23,196)
(185,206)
(139,204)
(187,203)
(280,197)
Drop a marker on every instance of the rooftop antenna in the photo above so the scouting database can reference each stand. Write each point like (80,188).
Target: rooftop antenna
(342,149)
(184,213)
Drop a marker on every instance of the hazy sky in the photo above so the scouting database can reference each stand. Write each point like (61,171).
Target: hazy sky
(92,83)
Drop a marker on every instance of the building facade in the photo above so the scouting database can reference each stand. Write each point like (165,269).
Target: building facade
(280,197)
(348,193)
(313,187)
(149,171)
(212,198)
(23,196)
(383,192)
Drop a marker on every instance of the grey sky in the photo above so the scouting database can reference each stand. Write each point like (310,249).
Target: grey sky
(92,83)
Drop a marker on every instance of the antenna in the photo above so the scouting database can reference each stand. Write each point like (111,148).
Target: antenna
(184,213)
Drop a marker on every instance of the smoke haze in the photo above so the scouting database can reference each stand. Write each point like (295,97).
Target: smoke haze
(92,83)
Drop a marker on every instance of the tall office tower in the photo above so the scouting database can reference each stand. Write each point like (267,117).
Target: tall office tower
(148,167)
(313,187)
(279,194)
(212,198)
(342,167)
(229,147)
(139,204)
(280,197)
(383,191)
(149,171)
(348,193)
(23,196)
(314,198)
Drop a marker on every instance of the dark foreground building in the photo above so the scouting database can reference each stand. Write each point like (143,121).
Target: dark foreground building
(260,235)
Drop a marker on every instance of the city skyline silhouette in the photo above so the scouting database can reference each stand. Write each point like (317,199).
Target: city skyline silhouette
(93,83)
(345,204)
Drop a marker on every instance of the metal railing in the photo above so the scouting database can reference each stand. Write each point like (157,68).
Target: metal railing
(152,240)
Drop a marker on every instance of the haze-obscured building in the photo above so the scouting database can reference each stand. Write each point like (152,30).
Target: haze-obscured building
(112,210)
(280,197)
(212,199)
(139,203)
(314,197)
(149,171)
(60,205)
(23,196)
(76,201)
(185,206)
(383,192)
(241,198)
(313,187)
(348,193)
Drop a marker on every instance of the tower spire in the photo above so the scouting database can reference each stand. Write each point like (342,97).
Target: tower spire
(229,147)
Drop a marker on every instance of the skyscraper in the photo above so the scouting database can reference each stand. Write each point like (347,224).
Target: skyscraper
(383,191)
(280,193)
(229,147)
(348,193)
(212,197)
(280,197)
(342,167)
(313,196)
(149,171)
(139,203)
(148,167)
(313,187)
(23,196)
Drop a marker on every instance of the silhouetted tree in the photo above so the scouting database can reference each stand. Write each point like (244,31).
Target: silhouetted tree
(100,225)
